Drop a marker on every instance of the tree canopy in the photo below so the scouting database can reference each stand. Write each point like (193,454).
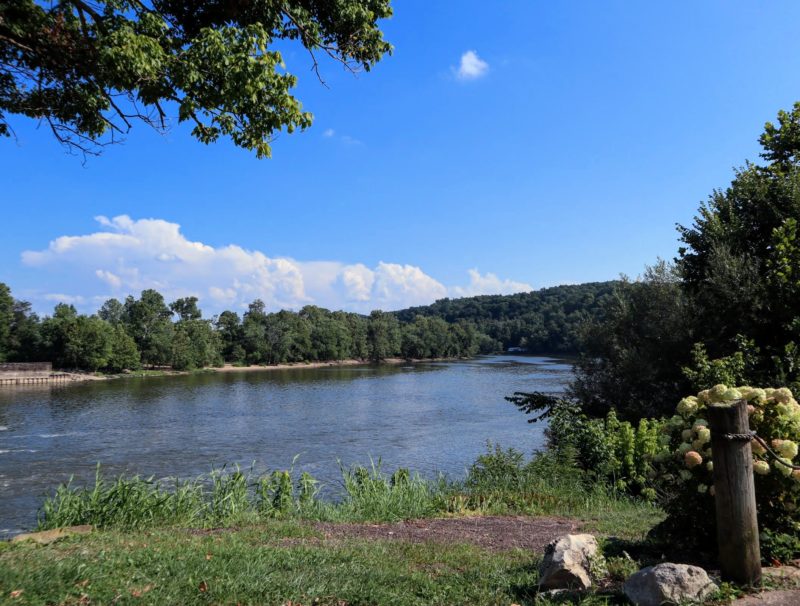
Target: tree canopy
(90,69)
(726,313)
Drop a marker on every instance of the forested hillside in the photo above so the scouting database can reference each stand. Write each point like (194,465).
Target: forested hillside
(543,321)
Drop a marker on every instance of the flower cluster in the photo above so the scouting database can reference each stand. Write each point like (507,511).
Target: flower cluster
(775,416)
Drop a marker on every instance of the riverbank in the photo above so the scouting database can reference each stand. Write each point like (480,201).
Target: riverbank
(66,377)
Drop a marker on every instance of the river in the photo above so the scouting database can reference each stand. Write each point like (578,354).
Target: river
(430,417)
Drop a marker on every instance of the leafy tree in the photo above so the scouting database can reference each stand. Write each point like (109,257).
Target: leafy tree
(741,259)
(112,311)
(383,336)
(77,341)
(91,68)
(632,357)
(25,342)
(186,309)
(6,318)
(124,354)
(147,320)
(357,328)
(229,330)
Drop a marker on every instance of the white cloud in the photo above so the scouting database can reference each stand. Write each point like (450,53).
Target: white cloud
(471,66)
(62,298)
(113,280)
(128,256)
(488,284)
(328,132)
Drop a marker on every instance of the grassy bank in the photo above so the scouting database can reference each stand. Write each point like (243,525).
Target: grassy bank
(236,538)
(273,563)
(500,482)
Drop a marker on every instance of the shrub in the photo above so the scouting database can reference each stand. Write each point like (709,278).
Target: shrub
(609,450)
(686,470)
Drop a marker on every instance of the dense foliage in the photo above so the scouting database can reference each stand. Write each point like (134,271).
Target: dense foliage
(632,357)
(726,312)
(741,260)
(91,68)
(148,332)
(549,320)
(615,453)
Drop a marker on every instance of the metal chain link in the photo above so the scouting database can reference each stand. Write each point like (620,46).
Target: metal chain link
(746,437)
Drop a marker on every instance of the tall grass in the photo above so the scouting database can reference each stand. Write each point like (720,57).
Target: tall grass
(499,482)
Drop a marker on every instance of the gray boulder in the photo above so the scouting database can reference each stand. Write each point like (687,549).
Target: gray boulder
(568,562)
(668,583)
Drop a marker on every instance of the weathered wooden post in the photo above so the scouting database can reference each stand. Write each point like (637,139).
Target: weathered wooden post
(735,494)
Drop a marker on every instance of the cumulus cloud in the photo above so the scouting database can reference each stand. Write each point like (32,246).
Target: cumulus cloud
(488,284)
(62,298)
(328,132)
(127,256)
(471,66)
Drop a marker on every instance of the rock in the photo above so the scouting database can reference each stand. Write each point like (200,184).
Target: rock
(568,562)
(46,537)
(668,583)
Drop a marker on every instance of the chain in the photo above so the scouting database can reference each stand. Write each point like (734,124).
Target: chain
(746,437)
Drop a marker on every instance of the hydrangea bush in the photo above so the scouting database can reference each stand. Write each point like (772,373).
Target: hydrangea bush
(686,465)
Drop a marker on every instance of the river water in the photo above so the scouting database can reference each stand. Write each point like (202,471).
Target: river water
(430,417)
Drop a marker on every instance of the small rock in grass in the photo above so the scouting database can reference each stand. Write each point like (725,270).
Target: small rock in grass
(668,583)
(568,562)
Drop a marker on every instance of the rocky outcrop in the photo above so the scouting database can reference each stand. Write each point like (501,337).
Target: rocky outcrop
(668,583)
(569,562)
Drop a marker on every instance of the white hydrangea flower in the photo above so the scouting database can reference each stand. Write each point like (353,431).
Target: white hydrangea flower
(786,448)
(715,393)
(687,406)
(731,394)
(761,467)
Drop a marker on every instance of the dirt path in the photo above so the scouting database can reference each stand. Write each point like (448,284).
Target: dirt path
(785,597)
(496,533)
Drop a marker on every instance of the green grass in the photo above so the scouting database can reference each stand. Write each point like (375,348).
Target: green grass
(274,563)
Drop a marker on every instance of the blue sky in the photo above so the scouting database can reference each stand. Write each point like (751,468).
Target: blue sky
(581,134)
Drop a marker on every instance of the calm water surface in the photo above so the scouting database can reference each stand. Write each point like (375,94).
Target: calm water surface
(432,418)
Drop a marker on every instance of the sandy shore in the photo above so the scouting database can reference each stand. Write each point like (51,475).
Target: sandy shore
(69,377)
(293,365)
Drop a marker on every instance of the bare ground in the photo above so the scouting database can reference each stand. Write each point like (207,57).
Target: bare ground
(495,533)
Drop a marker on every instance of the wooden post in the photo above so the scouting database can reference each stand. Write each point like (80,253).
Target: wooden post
(735,494)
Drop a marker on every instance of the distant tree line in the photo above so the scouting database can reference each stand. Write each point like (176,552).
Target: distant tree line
(550,320)
(148,332)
